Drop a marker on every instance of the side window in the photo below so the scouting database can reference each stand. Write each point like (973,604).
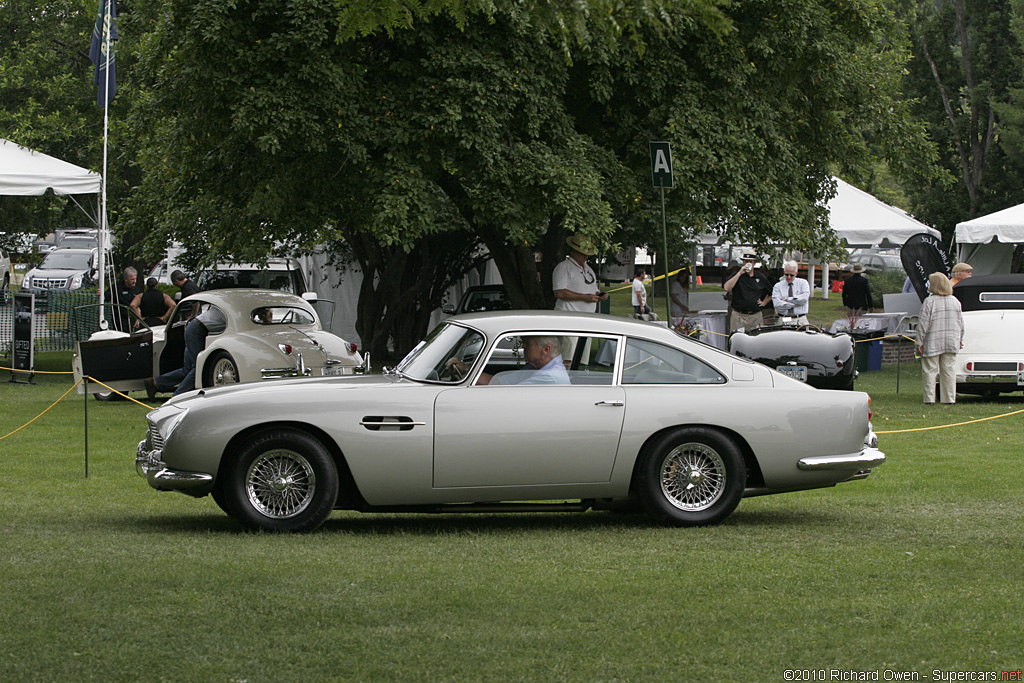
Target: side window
(542,358)
(650,363)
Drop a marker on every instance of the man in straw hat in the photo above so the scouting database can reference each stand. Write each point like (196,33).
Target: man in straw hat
(857,291)
(574,281)
(961,272)
(751,291)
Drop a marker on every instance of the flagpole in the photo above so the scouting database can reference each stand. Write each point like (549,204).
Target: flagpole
(103,179)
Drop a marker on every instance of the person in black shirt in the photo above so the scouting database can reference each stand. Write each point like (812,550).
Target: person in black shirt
(124,293)
(187,287)
(857,292)
(153,306)
(751,291)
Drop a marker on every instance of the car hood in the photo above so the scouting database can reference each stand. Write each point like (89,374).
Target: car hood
(288,386)
(59,272)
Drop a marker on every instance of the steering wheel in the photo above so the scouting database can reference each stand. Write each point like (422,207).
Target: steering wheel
(452,369)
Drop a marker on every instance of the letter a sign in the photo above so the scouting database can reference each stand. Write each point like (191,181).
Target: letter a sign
(661,164)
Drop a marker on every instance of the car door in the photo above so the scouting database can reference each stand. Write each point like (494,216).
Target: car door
(532,434)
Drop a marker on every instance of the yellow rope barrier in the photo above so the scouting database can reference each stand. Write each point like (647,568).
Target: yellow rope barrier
(42,413)
(958,424)
(41,372)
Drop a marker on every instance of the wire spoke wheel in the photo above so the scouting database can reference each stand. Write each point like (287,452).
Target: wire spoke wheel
(693,477)
(224,371)
(280,483)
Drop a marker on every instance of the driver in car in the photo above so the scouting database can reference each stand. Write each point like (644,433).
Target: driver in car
(544,365)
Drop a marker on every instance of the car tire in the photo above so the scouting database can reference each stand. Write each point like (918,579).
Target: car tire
(691,476)
(280,480)
(107,396)
(221,369)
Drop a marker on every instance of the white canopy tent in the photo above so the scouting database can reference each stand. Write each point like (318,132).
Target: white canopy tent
(25,172)
(863,220)
(987,243)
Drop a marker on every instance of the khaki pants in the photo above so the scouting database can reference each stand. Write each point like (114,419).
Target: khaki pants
(942,366)
(745,321)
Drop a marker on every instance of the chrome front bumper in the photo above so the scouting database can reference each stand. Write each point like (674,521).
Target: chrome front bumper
(151,468)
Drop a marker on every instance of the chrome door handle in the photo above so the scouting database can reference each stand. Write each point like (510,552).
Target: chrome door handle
(610,403)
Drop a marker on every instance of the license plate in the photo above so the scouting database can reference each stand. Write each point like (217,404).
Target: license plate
(798,372)
(334,371)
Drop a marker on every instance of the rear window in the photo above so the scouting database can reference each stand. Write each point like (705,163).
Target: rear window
(282,315)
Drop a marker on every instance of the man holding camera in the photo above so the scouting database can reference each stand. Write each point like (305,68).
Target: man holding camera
(751,291)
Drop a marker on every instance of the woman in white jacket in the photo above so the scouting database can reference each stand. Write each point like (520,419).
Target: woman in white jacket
(940,335)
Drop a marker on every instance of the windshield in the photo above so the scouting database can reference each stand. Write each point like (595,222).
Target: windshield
(63,260)
(429,360)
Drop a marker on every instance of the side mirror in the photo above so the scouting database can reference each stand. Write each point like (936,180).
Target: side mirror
(448,309)
(310,296)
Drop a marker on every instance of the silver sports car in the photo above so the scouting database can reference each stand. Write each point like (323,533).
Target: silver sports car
(509,411)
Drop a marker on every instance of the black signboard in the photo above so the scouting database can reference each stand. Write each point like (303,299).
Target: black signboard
(24,331)
(922,255)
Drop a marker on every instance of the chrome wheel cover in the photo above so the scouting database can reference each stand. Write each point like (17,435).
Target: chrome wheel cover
(224,372)
(693,477)
(280,483)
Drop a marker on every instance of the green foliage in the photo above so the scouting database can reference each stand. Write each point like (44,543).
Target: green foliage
(963,82)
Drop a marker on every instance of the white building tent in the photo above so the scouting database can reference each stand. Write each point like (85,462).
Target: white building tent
(987,243)
(25,172)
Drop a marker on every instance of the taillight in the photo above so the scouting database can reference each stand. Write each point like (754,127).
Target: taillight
(970,366)
(869,408)
(352,348)
(286,349)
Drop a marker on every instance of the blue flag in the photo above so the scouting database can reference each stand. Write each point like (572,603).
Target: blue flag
(105,76)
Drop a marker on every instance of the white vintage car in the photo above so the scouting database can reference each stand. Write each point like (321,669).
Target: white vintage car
(633,413)
(992,358)
(268,335)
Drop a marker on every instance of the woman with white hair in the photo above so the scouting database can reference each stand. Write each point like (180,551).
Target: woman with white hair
(940,335)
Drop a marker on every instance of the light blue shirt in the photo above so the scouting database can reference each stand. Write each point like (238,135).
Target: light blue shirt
(552,373)
(791,305)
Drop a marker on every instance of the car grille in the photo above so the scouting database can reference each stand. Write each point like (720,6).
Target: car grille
(156,441)
(50,283)
(995,366)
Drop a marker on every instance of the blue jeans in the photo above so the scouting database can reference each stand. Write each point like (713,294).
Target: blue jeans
(185,376)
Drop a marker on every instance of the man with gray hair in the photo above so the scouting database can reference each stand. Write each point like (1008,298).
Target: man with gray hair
(791,295)
(124,293)
(544,364)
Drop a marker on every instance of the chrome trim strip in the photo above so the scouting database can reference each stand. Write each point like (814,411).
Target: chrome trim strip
(867,458)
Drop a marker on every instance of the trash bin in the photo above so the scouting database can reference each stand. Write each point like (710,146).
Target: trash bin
(869,352)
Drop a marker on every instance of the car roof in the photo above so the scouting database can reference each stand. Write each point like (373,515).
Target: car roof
(497,322)
(970,292)
(244,298)
(272,264)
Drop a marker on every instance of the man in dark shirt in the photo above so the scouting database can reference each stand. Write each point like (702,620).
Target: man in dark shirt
(857,292)
(187,287)
(124,294)
(751,291)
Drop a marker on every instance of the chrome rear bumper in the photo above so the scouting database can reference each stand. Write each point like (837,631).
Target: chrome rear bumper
(866,459)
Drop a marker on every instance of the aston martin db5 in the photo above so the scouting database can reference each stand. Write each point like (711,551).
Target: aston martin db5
(514,411)
(267,335)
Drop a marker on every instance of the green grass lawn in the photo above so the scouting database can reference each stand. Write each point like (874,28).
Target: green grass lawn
(915,569)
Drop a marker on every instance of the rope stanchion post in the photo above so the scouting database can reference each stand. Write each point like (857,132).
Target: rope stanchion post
(85,395)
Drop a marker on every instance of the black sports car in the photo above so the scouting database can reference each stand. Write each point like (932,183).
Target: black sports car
(822,359)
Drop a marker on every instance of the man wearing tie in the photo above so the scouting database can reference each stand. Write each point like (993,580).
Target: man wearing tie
(791,294)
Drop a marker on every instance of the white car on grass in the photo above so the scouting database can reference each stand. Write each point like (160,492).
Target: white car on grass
(268,335)
(992,358)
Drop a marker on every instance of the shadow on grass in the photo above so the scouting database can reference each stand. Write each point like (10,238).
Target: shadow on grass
(414,524)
